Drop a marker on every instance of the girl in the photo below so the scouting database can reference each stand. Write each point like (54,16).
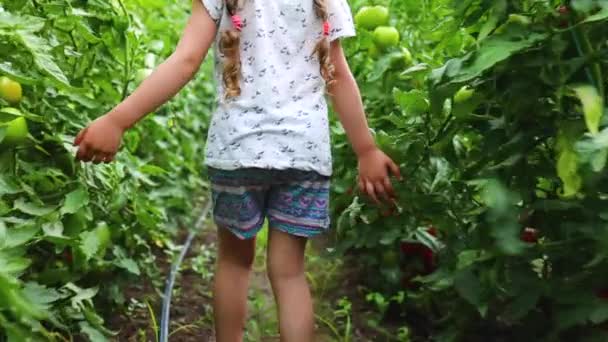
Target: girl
(268,148)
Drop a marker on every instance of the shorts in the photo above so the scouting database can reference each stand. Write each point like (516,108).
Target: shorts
(294,201)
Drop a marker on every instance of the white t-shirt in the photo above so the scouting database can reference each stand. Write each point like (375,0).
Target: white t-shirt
(280,121)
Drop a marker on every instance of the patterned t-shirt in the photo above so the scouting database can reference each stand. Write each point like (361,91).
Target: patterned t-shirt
(280,120)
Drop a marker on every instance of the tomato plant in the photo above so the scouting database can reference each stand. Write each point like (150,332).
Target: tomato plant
(72,235)
(501,113)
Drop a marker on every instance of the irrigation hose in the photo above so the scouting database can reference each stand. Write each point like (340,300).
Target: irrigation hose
(164,320)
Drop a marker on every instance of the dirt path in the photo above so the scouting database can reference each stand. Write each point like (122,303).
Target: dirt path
(191,307)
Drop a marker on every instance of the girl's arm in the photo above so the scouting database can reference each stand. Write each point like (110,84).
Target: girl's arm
(100,141)
(374,165)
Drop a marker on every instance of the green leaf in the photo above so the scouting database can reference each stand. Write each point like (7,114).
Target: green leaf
(20,235)
(53,229)
(567,166)
(41,295)
(412,102)
(93,334)
(492,50)
(32,208)
(75,200)
(523,303)
(469,288)
(82,297)
(129,265)
(599,314)
(467,258)
(89,244)
(12,261)
(8,186)
(3,234)
(7,69)
(593,106)
(40,50)
(153,170)
(599,16)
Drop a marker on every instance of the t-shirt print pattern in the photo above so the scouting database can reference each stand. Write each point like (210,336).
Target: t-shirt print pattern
(280,120)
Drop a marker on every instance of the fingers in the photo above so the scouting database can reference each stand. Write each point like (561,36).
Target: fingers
(87,154)
(394,168)
(388,186)
(108,158)
(97,158)
(382,191)
(80,136)
(371,191)
(83,153)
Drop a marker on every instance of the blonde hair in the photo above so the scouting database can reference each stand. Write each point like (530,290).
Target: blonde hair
(322,48)
(230,42)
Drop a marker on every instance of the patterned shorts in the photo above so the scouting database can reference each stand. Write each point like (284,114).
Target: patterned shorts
(293,201)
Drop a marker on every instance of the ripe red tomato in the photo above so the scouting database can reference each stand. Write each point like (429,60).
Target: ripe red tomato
(529,235)
(410,248)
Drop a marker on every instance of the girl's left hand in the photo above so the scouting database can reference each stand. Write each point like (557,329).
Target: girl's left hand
(375,168)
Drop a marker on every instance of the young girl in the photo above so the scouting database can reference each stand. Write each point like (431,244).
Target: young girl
(268,148)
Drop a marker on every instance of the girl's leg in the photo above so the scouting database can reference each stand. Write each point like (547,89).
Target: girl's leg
(286,273)
(235,259)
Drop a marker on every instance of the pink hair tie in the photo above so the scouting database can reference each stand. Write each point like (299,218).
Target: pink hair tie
(237,22)
(326,28)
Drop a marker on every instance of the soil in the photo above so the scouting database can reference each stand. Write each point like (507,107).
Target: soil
(192,302)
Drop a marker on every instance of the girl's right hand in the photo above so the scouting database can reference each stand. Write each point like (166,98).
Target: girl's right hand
(99,142)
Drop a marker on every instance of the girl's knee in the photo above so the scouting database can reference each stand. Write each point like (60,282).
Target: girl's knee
(279,270)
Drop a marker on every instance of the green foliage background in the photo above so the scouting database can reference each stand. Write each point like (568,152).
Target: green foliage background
(72,234)
(525,151)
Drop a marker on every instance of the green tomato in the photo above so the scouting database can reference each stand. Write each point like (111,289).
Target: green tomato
(10,90)
(386,36)
(16,131)
(464,94)
(371,17)
(142,74)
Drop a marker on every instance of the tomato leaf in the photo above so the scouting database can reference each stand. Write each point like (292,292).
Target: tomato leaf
(32,208)
(89,244)
(75,200)
(8,186)
(593,106)
(93,334)
(470,289)
(412,102)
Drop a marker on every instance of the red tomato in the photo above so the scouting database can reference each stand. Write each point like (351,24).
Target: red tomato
(410,248)
(529,235)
